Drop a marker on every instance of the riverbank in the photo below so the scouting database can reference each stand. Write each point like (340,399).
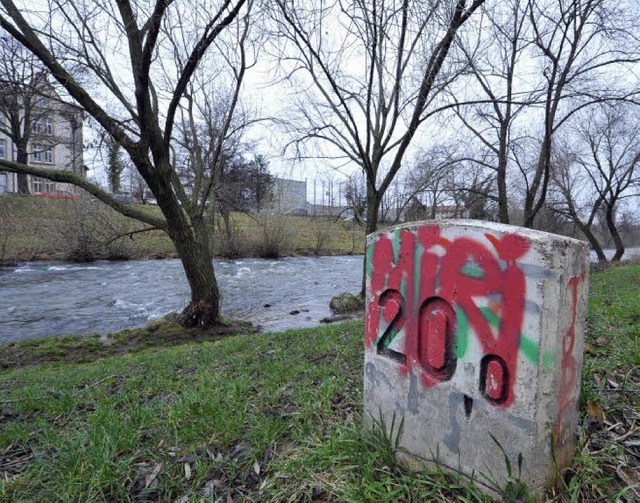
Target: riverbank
(33,228)
(274,417)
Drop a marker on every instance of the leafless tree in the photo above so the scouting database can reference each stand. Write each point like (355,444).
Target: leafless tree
(119,47)
(602,172)
(494,65)
(571,195)
(539,62)
(371,71)
(22,80)
(579,45)
(472,190)
(430,177)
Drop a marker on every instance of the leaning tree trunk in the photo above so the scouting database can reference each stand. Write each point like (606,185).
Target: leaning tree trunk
(593,241)
(192,243)
(615,235)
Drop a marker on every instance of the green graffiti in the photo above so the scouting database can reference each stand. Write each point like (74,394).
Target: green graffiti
(396,246)
(416,277)
(529,349)
(462,335)
(369,260)
(491,317)
(472,271)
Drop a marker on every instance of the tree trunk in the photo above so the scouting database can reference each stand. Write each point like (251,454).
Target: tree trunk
(22,157)
(615,235)
(193,246)
(531,206)
(503,201)
(593,241)
(373,209)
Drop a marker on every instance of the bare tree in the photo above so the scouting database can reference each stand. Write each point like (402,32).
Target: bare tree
(494,66)
(430,177)
(140,103)
(356,198)
(472,190)
(371,71)
(571,195)
(603,172)
(580,44)
(21,84)
(539,62)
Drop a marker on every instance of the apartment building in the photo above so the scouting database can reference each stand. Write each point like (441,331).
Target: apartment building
(52,129)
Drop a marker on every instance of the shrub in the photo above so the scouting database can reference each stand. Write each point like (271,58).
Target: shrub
(275,236)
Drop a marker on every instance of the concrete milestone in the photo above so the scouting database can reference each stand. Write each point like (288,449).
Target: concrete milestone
(474,338)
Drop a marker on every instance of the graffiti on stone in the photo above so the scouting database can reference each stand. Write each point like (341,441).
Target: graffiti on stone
(436,292)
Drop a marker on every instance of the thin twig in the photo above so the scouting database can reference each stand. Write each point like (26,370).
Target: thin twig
(101,381)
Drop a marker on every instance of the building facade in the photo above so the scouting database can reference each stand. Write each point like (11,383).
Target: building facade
(289,196)
(52,129)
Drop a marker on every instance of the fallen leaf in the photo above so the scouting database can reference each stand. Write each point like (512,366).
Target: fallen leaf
(187,471)
(595,412)
(229,498)
(256,468)
(152,476)
(597,379)
(601,341)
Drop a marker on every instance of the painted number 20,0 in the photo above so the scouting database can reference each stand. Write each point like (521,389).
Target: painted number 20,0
(432,342)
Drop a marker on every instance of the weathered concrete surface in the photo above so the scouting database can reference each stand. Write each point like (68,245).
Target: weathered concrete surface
(474,330)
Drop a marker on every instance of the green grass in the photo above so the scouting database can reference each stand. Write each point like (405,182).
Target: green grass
(276,417)
(40,228)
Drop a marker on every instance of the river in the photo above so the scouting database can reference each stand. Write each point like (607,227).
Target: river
(43,299)
(47,299)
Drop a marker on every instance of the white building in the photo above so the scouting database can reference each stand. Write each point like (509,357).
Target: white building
(54,131)
(290,196)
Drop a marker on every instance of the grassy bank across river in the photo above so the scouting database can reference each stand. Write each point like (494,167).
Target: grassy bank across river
(34,228)
(272,417)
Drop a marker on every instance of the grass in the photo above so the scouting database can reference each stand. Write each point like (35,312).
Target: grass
(274,417)
(39,228)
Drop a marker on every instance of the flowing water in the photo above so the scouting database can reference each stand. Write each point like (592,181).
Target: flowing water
(44,299)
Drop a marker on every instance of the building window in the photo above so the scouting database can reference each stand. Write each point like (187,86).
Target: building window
(42,101)
(2,154)
(48,126)
(36,185)
(43,154)
(37,153)
(47,154)
(36,126)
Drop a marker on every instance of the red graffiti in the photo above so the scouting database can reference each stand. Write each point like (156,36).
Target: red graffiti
(432,278)
(567,396)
